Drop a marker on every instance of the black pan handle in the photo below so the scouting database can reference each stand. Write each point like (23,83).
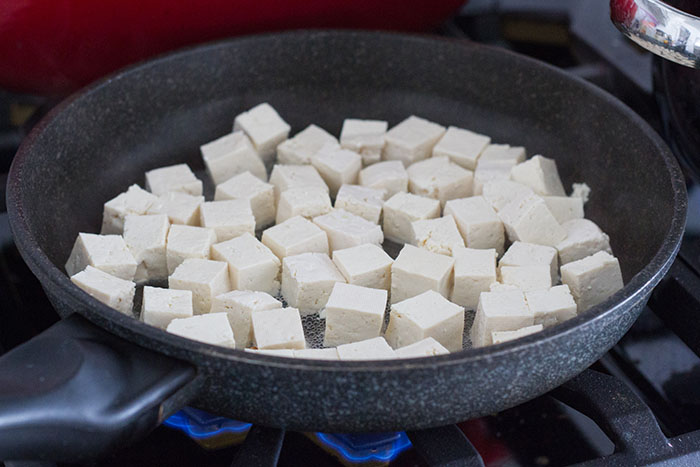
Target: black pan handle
(77,392)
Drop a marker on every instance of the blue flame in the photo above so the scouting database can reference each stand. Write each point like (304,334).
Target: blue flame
(201,425)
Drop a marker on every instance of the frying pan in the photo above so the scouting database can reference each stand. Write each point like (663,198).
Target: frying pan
(99,378)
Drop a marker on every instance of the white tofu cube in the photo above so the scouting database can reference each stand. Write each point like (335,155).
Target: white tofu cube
(353,314)
(583,238)
(284,177)
(499,311)
(426,315)
(205,278)
(108,253)
(438,178)
(306,202)
(239,305)
(160,306)
(527,278)
(498,193)
(502,154)
(416,270)
(365,137)
(173,178)
(387,175)
(317,354)
(362,201)
(288,353)
(146,237)
(185,242)
(529,254)
(592,279)
(498,337)
(474,272)
(365,265)
(307,281)
(294,236)
(212,328)
(411,140)
(264,127)
(110,290)
(346,230)
(401,210)
(477,222)
(134,200)
(437,235)
(370,349)
(337,166)
(463,147)
(231,155)
(540,174)
(278,329)
(180,208)
(229,219)
(564,208)
(252,266)
(261,196)
(529,220)
(427,347)
(552,306)
(487,173)
(299,149)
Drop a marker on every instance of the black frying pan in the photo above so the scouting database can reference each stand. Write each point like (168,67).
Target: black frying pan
(92,382)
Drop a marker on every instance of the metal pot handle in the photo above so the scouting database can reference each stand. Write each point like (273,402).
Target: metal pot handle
(76,392)
(660,28)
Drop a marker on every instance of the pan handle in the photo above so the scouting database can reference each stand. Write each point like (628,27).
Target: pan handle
(76,392)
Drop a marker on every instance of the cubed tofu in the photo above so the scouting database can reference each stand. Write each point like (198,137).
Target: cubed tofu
(362,201)
(231,155)
(527,278)
(551,306)
(486,173)
(160,306)
(499,311)
(317,354)
(411,140)
(427,347)
(278,329)
(370,349)
(252,265)
(134,200)
(426,315)
(474,272)
(346,230)
(581,190)
(299,149)
(498,193)
(287,353)
(294,236)
(463,147)
(502,154)
(264,127)
(146,237)
(365,137)
(180,208)
(284,177)
(477,222)
(108,253)
(438,178)
(306,202)
(387,175)
(337,166)
(212,328)
(401,210)
(416,270)
(529,254)
(239,305)
(540,174)
(205,278)
(229,219)
(353,314)
(439,235)
(173,178)
(261,196)
(564,208)
(110,290)
(185,242)
(592,279)
(365,265)
(529,220)
(307,281)
(583,238)
(498,337)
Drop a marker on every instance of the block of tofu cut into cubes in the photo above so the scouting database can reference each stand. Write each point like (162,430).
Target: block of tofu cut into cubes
(288,353)
(306,202)
(177,177)
(135,200)
(565,208)
(337,166)
(261,196)
(365,137)
(108,253)
(278,329)
(477,222)
(252,265)
(284,177)
(592,279)
(502,155)
(529,220)
(205,278)
(180,208)
(401,210)
(386,175)
(294,236)
(353,314)
(146,237)
(551,306)
(539,173)
(416,270)
(317,354)
(427,347)
(530,254)
(362,201)
(583,238)
(212,328)
(160,306)
(346,230)
(439,235)
(307,281)
(229,219)
(110,290)
(299,149)
(370,349)
(264,127)
(463,147)
(240,305)
(231,155)
(474,272)
(426,315)
(365,265)
(498,193)
(499,311)
(185,241)
(488,172)
(438,178)
(412,140)
(498,337)
(527,278)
